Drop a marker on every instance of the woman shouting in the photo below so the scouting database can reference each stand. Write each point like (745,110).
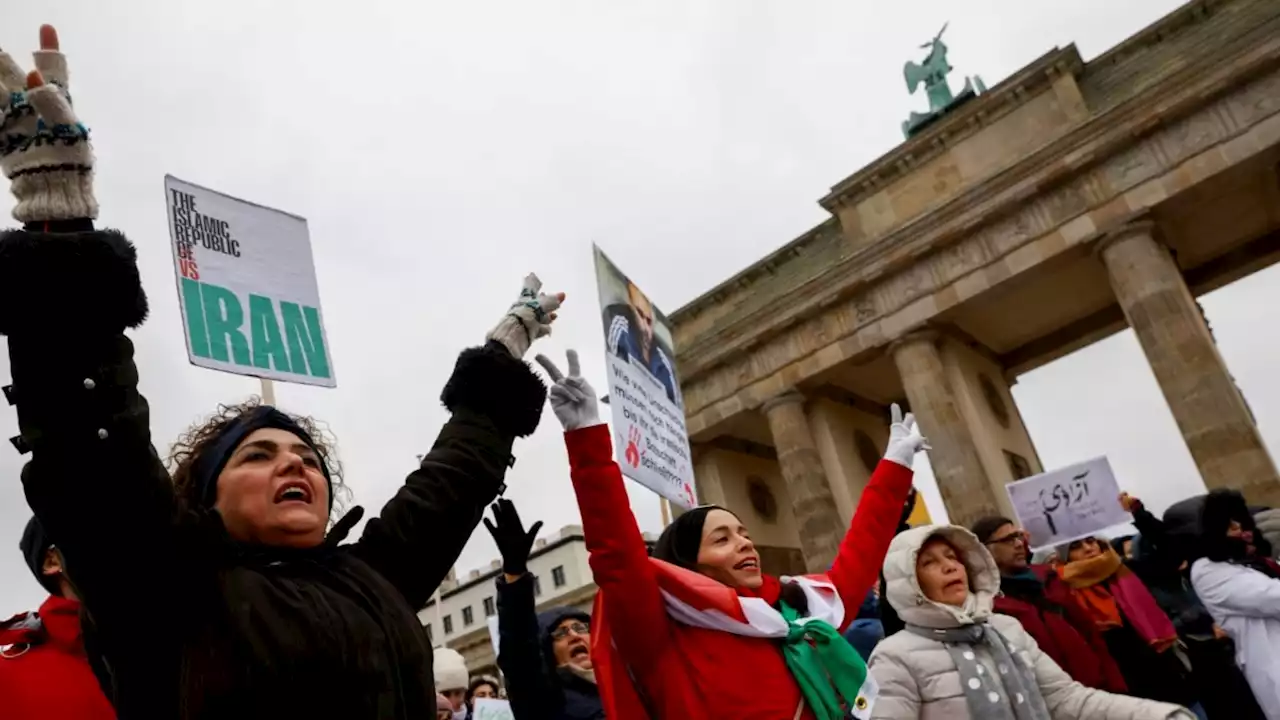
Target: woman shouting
(218,592)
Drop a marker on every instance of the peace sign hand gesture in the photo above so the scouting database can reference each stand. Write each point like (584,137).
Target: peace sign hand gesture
(572,399)
(44,148)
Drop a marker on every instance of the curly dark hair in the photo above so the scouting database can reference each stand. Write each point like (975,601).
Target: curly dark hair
(189,445)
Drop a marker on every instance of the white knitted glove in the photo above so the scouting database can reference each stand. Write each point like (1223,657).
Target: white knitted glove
(528,319)
(44,149)
(905,439)
(572,399)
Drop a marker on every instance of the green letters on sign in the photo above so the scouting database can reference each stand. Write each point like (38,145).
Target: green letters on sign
(223,316)
(215,318)
(305,337)
(268,346)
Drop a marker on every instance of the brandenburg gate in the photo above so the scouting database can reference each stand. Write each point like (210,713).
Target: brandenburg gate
(1068,202)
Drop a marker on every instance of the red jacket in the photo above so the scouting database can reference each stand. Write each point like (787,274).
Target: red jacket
(1063,631)
(44,672)
(694,673)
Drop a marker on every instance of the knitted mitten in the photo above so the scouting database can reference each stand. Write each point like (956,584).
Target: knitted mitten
(44,149)
(528,319)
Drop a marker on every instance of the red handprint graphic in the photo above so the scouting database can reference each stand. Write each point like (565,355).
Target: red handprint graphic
(633,447)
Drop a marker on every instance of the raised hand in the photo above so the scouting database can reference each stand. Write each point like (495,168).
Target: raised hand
(509,533)
(905,439)
(44,148)
(1129,503)
(572,399)
(528,319)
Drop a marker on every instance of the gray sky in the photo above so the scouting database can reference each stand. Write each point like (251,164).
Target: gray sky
(442,150)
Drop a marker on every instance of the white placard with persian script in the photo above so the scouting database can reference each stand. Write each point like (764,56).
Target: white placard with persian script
(1068,504)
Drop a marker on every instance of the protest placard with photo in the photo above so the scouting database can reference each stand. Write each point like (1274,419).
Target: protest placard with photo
(650,439)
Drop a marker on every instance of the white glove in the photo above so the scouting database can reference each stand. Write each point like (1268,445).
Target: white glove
(44,148)
(528,319)
(572,399)
(905,439)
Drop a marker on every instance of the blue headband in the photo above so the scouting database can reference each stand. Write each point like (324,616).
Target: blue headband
(208,465)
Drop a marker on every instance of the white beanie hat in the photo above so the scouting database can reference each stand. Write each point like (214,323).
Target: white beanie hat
(451,670)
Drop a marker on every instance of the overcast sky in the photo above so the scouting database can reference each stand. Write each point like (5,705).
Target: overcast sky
(442,150)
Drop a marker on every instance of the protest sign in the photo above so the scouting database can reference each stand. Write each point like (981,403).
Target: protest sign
(492,709)
(650,439)
(492,622)
(1068,504)
(247,287)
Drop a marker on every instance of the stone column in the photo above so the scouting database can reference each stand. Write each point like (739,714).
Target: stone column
(812,502)
(962,480)
(1209,410)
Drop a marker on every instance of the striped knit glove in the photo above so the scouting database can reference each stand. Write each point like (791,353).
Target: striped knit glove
(44,149)
(528,319)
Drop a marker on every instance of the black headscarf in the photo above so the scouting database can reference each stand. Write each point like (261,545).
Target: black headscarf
(209,464)
(680,541)
(35,545)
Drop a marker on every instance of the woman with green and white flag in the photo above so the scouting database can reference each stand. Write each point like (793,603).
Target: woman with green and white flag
(699,631)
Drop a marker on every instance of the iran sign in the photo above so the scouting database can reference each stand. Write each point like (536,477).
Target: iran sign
(247,287)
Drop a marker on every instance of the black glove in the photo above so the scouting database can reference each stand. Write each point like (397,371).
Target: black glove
(513,542)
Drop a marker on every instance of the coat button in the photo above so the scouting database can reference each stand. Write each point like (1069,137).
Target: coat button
(89,384)
(102,433)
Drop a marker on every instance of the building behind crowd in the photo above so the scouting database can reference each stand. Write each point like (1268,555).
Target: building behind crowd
(1069,201)
(459,616)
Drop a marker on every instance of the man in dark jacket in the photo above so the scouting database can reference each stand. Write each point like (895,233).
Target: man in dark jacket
(190,612)
(44,671)
(545,659)
(1042,603)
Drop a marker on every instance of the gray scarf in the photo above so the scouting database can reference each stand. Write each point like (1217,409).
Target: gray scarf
(1014,695)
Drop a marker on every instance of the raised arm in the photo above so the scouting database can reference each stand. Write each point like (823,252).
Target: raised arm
(67,294)
(529,686)
(875,522)
(495,397)
(619,560)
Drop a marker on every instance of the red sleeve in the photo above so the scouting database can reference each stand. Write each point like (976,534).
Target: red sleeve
(875,521)
(619,560)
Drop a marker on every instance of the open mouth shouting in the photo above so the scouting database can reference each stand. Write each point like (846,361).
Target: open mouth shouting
(749,565)
(293,491)
(579,650)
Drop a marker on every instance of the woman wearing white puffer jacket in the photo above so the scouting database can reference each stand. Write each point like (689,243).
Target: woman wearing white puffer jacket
(957,660)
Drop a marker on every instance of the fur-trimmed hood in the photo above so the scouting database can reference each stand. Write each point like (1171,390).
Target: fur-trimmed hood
(1198,526)
(902,588)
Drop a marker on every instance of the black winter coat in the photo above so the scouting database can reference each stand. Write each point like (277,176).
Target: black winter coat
(536,689)
(183,622)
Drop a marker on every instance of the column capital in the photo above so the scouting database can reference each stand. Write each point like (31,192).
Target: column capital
(923,334)
(786,397)
(1141,225)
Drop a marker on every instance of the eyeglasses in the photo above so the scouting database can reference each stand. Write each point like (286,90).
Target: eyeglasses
(576,628)
(1011,538)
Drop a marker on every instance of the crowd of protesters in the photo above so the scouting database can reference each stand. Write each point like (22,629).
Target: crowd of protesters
(217,584)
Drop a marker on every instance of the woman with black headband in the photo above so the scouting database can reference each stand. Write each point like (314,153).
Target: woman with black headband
(699,630)
(217,593)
